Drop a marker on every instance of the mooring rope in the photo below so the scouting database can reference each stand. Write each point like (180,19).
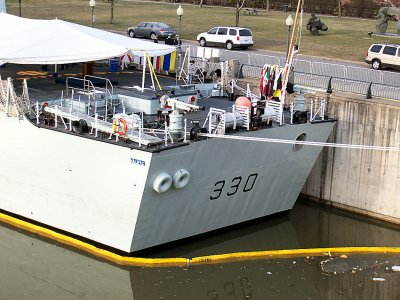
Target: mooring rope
(294,142)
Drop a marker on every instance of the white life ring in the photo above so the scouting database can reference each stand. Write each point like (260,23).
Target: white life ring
(162,183)
(181,178)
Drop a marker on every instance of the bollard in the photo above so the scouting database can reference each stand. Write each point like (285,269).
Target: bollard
(369,91)
(329,88)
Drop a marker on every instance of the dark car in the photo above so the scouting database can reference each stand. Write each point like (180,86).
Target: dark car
(152,30)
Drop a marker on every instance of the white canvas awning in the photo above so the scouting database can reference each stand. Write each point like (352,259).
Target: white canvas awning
(28,41)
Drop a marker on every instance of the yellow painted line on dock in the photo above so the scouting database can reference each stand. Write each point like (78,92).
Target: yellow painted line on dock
(35,74)
(32,73)
(201,260)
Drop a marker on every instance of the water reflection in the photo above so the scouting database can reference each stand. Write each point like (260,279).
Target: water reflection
(32,268)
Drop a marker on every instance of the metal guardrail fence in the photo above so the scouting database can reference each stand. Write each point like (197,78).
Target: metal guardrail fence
(335,83)
(352,79)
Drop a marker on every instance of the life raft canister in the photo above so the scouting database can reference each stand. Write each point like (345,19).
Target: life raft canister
(162,183)
(181,178)
(116,126)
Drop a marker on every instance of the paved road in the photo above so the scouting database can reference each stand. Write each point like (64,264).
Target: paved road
(302,57)
(279,54)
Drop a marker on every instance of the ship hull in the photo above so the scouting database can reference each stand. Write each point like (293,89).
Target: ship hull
(104,192)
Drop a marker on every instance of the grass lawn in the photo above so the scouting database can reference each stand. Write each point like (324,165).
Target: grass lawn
(346,38)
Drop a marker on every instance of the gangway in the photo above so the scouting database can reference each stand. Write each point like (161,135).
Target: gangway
(96,124)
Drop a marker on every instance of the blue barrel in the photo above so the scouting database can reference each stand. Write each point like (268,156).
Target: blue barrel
(113,65)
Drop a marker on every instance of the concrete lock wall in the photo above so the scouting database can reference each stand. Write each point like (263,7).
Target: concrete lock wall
(363,181)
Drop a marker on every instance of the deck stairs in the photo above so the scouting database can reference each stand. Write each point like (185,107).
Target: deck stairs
(100,100)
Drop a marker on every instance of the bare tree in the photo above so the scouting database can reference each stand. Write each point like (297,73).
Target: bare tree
(392,3)
(239,7)
(268,5)
(112,2)
(201,3)
(341,3)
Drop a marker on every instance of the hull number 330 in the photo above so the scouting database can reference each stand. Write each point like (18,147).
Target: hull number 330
(230,188)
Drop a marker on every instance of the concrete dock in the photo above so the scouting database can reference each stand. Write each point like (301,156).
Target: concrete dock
(362,181)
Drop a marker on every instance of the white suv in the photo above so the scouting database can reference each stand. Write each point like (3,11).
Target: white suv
(229,37)
(383,55)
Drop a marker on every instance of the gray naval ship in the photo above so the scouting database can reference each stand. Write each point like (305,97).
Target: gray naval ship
(131,172)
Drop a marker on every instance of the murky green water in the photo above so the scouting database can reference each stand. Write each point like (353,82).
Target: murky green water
(33,268)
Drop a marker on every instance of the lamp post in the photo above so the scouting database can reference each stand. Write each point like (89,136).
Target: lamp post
(289,23)
(179,12)
(92,4)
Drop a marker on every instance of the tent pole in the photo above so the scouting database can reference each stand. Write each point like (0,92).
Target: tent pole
(144,71)
(152,79)
(189,80)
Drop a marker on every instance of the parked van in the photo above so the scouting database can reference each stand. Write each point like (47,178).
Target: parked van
(384,55)
(229,37)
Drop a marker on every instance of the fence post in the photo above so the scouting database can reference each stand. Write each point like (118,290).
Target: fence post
(369,92)
(240,75)
(329,88)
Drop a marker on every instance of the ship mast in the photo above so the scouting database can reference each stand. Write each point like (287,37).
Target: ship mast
(295,25)
(289,60)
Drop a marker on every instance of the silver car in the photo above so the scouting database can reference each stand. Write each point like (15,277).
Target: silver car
(152,30)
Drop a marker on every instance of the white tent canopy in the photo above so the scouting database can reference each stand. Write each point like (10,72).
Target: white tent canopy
(28,41)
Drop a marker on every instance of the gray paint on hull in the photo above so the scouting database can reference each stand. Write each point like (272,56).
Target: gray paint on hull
(180,213)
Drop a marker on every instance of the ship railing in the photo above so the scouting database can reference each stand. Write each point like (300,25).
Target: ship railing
(220,128)
(79,106)
(12,104)
(245,113)
(278,108)
(215,120)
(88,90)
(98,98)
(249,94)
(108,90)
(139,135)
(317,109)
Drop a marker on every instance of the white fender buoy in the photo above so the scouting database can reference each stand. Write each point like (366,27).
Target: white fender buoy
(162,183)
(181,178)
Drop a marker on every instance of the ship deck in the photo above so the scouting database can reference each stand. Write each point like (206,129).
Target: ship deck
(44,88)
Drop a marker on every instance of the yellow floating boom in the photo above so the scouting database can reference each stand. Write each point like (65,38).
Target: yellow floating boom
(172,262)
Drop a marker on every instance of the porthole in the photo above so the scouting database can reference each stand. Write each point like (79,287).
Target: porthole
(301,138)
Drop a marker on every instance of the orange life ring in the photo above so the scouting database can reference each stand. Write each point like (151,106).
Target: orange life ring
(117,125)
(44,104)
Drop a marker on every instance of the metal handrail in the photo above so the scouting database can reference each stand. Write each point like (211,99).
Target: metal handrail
(107,91)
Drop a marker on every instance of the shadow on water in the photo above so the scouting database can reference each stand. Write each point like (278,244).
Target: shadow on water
(33,268)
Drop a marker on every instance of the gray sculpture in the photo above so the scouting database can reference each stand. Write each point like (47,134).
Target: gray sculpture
(383,17)
(314,25)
